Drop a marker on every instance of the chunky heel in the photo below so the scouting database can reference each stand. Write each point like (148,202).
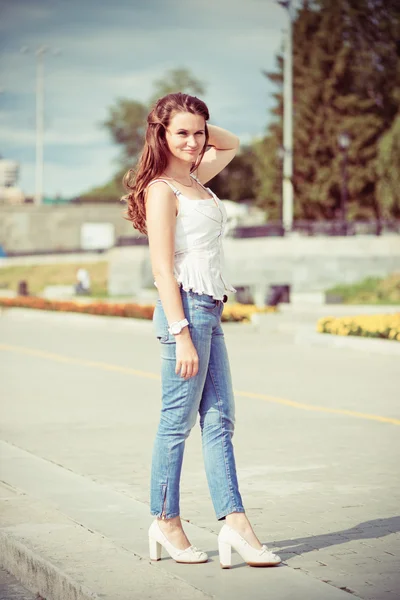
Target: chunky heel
(255,557)
(225,555)
(155,549)
(157,540)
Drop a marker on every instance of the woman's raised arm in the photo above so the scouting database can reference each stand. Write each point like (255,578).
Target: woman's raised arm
(224,146)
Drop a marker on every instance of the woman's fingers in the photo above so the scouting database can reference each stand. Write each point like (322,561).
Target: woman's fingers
(195,367)
(187,369)
(181,368)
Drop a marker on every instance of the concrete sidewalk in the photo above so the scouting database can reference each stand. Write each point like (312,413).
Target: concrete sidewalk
(78,417)
(95,545)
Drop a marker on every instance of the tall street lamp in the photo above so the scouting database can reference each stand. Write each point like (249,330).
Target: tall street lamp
(287,184)
(39,171)
(280,155)
(39,123)
(344,143)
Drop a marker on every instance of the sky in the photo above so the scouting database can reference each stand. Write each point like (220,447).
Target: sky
(102,50)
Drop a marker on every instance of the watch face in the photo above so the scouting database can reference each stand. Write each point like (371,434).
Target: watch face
(176,329)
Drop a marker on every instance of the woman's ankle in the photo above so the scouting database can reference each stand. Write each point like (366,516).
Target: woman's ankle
(174,523)
(240,523)
(238,519)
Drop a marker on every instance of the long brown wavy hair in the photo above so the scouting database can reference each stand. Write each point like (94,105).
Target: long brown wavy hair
(154,158)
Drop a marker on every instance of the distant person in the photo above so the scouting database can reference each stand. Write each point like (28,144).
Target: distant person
(82,286)
(184,221)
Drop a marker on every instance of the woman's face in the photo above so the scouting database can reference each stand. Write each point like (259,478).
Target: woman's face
(186,136)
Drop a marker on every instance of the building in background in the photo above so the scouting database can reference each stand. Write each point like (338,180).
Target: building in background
(9,192)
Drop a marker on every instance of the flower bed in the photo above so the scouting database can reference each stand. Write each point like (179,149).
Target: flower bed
(243,312)
(375,326)
(93,308)
(232,312)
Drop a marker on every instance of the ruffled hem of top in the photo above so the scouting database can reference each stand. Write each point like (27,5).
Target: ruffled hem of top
(199,286)
(193,281)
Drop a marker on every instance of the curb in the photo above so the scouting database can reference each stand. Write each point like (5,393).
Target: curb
(37,574)
(337,310)
(303,335)
(374,346)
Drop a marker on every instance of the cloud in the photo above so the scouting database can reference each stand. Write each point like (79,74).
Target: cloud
(95,168)
(22,11)
(17,137)
(118,49)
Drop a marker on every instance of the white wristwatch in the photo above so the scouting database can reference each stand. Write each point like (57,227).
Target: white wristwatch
(176,328)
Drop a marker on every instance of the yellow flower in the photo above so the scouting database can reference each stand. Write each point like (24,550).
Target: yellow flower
(385,326)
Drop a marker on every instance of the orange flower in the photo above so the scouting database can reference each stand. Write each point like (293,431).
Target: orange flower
(232,312)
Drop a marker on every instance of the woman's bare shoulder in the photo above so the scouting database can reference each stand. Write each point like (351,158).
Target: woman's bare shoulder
(161,201)
(158,188)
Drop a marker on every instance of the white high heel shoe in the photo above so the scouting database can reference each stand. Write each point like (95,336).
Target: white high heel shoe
(157,540)
(229,538)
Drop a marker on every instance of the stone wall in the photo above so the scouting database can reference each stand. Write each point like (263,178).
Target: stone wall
(306,264)
(311,263)
(30,228)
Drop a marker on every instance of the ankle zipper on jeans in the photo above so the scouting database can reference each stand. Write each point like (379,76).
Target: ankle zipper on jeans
(164,502)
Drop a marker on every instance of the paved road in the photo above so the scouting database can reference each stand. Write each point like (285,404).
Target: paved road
(316,441)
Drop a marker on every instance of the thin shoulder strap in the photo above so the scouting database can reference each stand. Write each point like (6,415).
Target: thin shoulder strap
(196,178)
(173,188)
(203,186)
(198,181)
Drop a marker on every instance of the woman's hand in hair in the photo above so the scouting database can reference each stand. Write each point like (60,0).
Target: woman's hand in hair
(187,359)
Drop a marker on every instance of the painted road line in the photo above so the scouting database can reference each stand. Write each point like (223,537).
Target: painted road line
(150,375)
(78,361)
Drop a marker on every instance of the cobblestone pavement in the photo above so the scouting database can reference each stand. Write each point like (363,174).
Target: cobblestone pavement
(319,487)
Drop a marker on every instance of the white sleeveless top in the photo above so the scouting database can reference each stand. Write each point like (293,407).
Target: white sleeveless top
(199,257)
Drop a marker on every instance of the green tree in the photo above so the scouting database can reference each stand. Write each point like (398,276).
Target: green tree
(358,95)
(389,172)
(342,81)
(109,192)
(177,80)
(267,167)
(126,124)
(237,181)
(268,157)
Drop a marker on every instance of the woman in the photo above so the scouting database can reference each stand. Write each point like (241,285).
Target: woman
(184,222)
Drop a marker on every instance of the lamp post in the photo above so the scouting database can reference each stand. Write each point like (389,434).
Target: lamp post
(344,143)
(39,124)
(39,170)
(280,155)
(287,184)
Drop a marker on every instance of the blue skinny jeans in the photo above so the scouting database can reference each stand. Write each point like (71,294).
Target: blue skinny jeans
(210,394)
